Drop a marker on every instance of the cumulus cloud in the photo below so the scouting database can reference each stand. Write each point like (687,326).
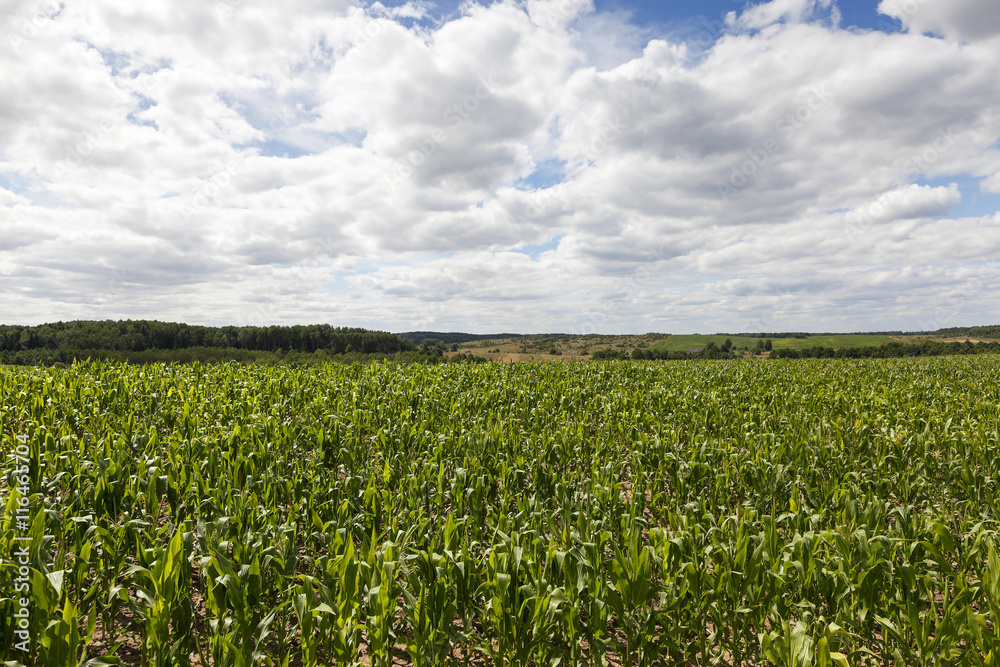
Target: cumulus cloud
(991,185)
(525,166)
(913,201)
(764,14)
(969,20)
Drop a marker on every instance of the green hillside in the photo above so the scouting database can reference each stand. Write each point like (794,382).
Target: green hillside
(694,341)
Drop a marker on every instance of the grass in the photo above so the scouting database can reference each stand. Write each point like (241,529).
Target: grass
(568,347)
(540,348)
(687,342)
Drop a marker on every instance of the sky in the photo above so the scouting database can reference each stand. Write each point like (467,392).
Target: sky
(575,166)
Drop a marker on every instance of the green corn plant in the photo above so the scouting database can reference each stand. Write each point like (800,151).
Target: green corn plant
(790,645)
(430,607)
(546,604)
(570,572)
(927,638)
(596,610)
(312,617)
(381,601)
(510,608)
(59,637)
(989,643)
(466,577)
(341,588)
(163,594)
(632,594)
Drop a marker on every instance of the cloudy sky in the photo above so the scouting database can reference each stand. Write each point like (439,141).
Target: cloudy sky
(519,165)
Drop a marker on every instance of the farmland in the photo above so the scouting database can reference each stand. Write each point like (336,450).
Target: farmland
(685,342)
(691,513)
(554,347)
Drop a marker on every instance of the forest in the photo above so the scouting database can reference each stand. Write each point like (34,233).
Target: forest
(142,335)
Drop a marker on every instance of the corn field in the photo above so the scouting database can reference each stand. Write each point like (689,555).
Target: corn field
(794,513)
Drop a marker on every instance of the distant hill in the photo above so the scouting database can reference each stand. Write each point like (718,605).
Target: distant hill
(453,336)
(793,342)
(146,339)
(971,332)
(952,332)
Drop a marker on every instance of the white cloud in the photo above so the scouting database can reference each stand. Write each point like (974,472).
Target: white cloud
(763,14)
(991,185)
(236,162)
(912,201)
(969,20)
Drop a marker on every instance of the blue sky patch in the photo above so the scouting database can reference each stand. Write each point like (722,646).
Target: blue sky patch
(546,174)
(974,204)
(534,251)
(277,148)
(14,183)
(673,13)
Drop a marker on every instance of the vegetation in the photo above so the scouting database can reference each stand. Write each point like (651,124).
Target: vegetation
(608,353)
(557,347)
(710,351)
(891,350)
(779,342)
(144,342)
(970,332)
(421,354)
(454,337)
(141,335)
(823,512)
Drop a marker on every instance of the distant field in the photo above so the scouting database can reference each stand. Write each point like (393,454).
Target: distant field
(555,347)
(687,342)
(562,347)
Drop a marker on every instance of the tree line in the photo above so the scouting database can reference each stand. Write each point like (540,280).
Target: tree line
(890,350)
(454,337)
(972,332)
(951,332)
(143,335)
(711,351)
